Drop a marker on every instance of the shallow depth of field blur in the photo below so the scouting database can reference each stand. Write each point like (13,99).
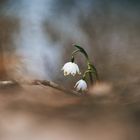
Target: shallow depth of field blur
(36,38)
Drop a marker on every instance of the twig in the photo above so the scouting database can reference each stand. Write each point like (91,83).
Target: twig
(4,84)
(39,82)
(56,86)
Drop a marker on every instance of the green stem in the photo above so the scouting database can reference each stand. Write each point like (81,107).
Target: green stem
(94,70)
(89,72)
(90,68)
(74,53)
(91,79)
(82,51)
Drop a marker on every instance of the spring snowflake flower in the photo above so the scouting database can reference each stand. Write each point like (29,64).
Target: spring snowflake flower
(70,68)
(81,85)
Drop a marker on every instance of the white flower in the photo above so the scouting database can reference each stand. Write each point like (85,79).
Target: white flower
(70,68)
(81,85)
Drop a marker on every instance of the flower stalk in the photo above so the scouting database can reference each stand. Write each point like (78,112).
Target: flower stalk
(91,70)
(72,68)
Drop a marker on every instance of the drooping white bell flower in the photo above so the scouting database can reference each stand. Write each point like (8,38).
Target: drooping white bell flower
(81,85)
(70,68)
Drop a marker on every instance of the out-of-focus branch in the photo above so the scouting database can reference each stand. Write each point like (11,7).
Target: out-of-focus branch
(4,84)
(55,86)
(39,82)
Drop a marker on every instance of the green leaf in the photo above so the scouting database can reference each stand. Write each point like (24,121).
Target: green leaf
(82,50)
(94,70)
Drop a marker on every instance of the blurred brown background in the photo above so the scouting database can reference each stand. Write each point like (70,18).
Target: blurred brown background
(36,39)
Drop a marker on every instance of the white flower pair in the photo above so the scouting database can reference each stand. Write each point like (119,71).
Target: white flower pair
(73,69)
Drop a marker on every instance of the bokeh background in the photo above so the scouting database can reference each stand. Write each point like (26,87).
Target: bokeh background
(36,38)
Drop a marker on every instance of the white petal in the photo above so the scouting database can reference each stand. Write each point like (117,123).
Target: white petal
(84,86)
(76,84)
(66,72)
(76,68)
(81,85)
(66,68)
(70,68)
(68,64)
(78,87)
(73,70)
